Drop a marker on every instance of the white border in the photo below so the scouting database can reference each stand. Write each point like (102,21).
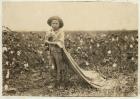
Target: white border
(32,97)
(131,1)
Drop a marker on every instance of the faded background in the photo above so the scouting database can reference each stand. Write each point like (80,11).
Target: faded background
(76,15)
(113,54)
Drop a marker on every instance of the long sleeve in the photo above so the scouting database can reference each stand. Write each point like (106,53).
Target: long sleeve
(60,39)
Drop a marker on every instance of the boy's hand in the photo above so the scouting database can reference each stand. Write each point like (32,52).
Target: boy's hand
(46,43)
(54,43)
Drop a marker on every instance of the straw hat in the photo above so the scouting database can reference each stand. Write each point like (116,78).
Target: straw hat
(55,18)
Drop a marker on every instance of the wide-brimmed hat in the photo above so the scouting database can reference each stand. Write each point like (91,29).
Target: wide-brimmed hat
(55,18)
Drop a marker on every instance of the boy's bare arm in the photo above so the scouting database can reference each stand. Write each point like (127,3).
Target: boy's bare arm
(48,42)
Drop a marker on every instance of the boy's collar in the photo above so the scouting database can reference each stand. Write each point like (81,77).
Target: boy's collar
(55,31)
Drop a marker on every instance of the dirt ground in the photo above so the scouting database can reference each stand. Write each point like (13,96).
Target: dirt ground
(74,87)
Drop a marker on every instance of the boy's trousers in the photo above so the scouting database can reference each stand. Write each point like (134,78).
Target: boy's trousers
(59,63)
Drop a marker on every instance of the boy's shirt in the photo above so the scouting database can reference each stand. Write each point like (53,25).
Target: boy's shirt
(58,36)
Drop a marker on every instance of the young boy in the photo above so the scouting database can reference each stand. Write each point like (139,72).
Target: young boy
(55,39)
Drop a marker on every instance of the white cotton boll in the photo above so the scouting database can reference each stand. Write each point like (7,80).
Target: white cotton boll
(98,45)
(7,63)
(11,52)
(78,48)
(46,66)
(126,37)
(114,65)
(18,53)
(23,35)
(87,63)
(9,48)
(29,45)
(103,35)
(43,59)
(13,63)
(14,59)
(40,52)
(132,58)
(6,87)
(52,66)
(117,38)
(4,49)
(90,47)
(81,41)
(132,38)
(26,65)
(109,51)
(131,46)
(91,40)
(113,39)
(8,74)
(105,60)
(42,44)
(86,54)
(18,45)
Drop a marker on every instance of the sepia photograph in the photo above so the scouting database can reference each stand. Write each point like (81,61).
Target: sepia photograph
(69,49)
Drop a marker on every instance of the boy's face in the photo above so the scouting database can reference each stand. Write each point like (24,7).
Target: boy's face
(55,24)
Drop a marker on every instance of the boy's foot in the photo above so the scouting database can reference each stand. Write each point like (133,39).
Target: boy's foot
(60,87)
(51,86)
